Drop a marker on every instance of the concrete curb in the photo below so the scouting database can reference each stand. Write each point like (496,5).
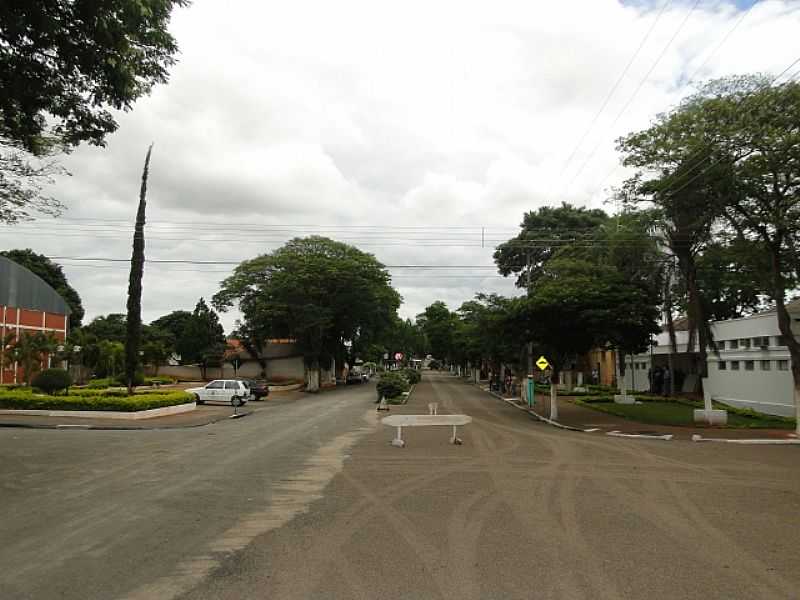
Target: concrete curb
(531,412)
(83,426)
(642,436)
(762,442)
(138,415)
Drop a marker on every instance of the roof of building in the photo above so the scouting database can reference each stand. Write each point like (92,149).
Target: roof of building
(22,288)
(791,306)
(680,324)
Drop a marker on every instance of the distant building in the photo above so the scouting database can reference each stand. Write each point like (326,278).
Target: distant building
(28,305)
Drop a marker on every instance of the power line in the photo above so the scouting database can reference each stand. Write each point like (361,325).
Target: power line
(635,93)
(722,42)
(691,79)
(614,88)
(719,160)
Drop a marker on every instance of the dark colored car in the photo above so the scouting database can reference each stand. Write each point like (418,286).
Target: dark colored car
(259,389)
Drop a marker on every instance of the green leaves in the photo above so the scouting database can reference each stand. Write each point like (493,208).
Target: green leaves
(66,62)
(315,290)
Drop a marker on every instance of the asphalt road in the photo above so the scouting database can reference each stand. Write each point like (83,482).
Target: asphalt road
(524,510)
(308,500)
(148,514)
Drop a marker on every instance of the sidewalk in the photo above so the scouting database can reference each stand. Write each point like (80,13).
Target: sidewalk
(580,417)
(202,415)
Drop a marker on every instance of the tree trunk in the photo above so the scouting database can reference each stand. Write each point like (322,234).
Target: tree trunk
(554,394)
(785,327)
(312,377)
(134,324)
(698,321)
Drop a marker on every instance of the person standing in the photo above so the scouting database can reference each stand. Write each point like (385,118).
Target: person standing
(667,381)
(658,379)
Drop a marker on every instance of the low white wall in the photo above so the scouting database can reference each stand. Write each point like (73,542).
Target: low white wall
(769,392)
(291,368)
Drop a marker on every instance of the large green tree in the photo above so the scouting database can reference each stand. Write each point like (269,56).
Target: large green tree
(734,150)
(439,324)
(543,232)
(577,305)
(315,290)
(64,66)
(53,274)
(203,339)
(107,327)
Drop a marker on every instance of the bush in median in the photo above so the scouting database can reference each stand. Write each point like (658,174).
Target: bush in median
(51,381)
(392,385)
(412,376)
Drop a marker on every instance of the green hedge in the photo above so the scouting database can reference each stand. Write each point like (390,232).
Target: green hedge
(392,385)
(115,393)
(412,376)
(29,401)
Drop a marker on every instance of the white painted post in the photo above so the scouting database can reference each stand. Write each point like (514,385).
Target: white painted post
(553,402)
(398,440)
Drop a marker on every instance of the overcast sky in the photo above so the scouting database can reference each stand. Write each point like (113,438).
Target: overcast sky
(417,131)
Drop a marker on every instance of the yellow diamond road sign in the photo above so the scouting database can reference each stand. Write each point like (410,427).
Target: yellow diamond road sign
(542,363)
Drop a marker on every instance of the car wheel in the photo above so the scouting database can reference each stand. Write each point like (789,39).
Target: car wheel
(236,401)
(197,400)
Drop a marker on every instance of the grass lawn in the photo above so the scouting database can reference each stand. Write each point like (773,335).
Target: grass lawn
(674,413)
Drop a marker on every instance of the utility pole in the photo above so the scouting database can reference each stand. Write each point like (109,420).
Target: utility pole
(530,342)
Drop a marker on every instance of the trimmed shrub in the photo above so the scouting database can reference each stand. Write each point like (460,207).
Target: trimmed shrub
(100,383)
(412,376)
(138,379)
(434,365)
(392,385)
(51,381)
(26,400)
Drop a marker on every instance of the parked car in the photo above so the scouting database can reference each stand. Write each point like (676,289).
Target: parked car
(354,377)
(229,391)
(259,389)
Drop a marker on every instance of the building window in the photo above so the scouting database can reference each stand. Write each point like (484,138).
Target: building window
(745,343)
(783,365)
(780,340)
(722,365)
(734,365)
(734,344)
(761,342)
(766,365)
(749,365)
(721,345)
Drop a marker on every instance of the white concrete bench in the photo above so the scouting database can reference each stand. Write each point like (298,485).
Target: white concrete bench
(400,421)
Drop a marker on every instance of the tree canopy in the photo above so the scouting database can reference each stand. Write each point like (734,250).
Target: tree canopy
(63,65)
(318,291)
(542,233)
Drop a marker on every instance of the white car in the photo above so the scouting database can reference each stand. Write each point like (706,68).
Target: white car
(229,391)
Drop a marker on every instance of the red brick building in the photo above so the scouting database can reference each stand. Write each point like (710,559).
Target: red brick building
(28,305)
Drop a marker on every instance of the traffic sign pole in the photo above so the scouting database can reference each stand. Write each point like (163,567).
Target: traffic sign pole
(531,388)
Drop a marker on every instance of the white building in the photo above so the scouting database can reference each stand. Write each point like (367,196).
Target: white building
(752,370)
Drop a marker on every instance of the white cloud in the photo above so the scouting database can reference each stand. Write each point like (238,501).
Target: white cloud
(447,115)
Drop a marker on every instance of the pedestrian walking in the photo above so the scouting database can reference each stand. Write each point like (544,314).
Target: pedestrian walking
(667,382)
